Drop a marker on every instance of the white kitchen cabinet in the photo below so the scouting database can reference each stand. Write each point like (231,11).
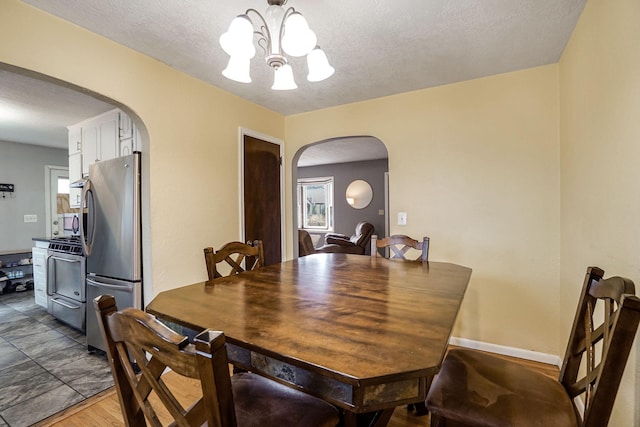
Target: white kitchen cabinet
(75,140)
(90,147)
(75,174)
(129,135)
(39,257)
(100,139)
(126,126)
(109,135)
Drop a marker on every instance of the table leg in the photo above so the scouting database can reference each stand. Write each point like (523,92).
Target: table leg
(370,419)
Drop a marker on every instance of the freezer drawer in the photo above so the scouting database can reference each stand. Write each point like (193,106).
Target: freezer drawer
(127,294)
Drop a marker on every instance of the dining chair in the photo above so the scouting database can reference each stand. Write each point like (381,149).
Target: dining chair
(399,245)
(245,400)
(477,389)
(233,254)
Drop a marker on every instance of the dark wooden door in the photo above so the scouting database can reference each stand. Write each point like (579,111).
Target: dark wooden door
(262,198)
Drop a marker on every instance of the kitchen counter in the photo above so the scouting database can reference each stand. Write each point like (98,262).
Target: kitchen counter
(41,242)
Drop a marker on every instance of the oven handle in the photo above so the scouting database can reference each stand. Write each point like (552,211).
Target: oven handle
(64,259)
(46,276)
(95,283)
(64,304)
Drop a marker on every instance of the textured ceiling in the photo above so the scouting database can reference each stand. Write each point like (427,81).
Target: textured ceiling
(343,150)
(34,111)
(378,48)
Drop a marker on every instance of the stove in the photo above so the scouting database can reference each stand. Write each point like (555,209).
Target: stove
(66,244)
(66,288)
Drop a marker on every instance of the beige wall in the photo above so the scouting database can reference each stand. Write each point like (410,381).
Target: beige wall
(476,167)
(192,129)
(600,149)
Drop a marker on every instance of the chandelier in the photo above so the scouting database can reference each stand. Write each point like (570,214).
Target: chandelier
(279,33)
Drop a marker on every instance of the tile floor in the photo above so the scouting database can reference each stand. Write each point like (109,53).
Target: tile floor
(44,364)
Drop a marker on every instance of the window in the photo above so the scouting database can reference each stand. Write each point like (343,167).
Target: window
(315,203)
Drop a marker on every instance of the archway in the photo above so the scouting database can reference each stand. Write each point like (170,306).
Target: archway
(60,96)
(332,165)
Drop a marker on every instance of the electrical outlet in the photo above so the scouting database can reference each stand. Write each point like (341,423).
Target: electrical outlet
(31,218)
(402,218)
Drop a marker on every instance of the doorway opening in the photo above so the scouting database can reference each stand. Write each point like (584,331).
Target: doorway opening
(344,160)
(56,199)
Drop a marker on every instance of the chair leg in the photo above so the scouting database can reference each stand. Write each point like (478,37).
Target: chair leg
(421,408)
(437,421)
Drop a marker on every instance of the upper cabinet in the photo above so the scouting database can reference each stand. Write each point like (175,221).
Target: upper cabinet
(109,135)
(75,140)
(100,138)
(129,135)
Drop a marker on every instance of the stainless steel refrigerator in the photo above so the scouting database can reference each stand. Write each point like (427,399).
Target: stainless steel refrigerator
(112,237)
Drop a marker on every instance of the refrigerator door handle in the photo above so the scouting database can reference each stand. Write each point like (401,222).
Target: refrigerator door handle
(87,241)
(96,283)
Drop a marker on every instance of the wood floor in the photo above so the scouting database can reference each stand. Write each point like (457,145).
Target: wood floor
(104,409)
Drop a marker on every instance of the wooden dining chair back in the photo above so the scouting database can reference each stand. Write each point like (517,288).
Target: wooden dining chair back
(475,388)
(242,400)
(236,256)
(399,245)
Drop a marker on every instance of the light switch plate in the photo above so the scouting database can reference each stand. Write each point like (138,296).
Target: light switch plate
(31,218)
(402,218)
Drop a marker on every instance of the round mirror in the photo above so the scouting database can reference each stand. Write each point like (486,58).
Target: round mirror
(359,194)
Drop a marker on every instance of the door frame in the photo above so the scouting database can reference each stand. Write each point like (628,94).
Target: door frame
(48,170)
(280,143)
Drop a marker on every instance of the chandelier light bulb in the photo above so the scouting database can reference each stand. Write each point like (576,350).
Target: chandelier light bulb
(238,40)
(283,78)
(298,39)
(319,67)
(238,69)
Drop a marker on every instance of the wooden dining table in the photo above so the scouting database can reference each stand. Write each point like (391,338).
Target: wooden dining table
(364,333)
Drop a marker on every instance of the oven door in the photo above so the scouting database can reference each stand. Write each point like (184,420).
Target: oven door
(66,275)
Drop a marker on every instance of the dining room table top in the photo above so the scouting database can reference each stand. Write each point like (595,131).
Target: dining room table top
(352,317)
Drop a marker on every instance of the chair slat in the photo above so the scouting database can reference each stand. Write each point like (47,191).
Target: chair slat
(234,254)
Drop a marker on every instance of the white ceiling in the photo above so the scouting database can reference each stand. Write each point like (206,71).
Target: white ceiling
(343,150)
(34,111)
(378,48)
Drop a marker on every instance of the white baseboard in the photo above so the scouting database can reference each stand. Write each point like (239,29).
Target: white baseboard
(550,359)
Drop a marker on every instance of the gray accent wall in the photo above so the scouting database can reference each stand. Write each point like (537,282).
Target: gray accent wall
(23,165)
(346,217)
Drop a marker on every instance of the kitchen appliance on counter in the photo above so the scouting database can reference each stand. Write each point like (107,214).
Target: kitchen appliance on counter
(71,223)
(111,239)
(65,281)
